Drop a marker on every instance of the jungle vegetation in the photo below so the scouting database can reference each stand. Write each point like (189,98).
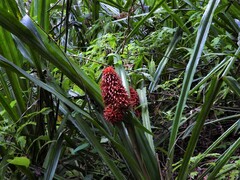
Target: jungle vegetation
(181,57)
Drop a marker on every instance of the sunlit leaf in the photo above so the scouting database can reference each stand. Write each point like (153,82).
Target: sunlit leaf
(20,161)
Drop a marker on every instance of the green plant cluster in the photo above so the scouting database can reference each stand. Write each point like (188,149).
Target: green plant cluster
(182,56)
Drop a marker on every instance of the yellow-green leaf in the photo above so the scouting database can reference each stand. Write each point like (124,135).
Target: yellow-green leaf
(20,161)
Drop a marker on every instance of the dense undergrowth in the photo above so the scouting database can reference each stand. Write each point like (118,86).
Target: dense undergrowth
(182,57)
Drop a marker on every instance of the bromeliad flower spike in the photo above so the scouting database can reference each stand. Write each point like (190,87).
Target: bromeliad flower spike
(113,92)
(115,97)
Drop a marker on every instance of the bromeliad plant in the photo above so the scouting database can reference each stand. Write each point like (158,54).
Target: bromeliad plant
(118,106)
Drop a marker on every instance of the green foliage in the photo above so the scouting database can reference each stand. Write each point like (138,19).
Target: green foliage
(181,56)
(19,161)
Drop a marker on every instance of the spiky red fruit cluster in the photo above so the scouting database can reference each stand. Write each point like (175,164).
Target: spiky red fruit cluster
(115,96)
(112,115)
(113,91)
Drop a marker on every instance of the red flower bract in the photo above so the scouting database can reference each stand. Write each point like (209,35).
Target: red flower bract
(113,91)
(112,115)
(115,97)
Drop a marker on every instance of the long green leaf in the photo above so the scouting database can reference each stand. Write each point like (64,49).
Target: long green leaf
(233,84)
(231,62)
(8,108)
(215,70)
(210,98)
(164,60)
(214,144)
(149,158)
(39,9)
(113,3)
(145,116)
(3,164)
(13,7)
(7,64)
(221,161)
(9,50)
(50,51)
(190,70)
(81,126)
(53,158)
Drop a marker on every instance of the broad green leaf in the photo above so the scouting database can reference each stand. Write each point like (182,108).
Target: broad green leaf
(20,161)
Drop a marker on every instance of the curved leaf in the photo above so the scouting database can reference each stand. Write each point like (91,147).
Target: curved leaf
(50,51)
(190,70)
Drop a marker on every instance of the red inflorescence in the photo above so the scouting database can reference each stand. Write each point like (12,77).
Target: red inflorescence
(112,114)
(115,96)
(113,91)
